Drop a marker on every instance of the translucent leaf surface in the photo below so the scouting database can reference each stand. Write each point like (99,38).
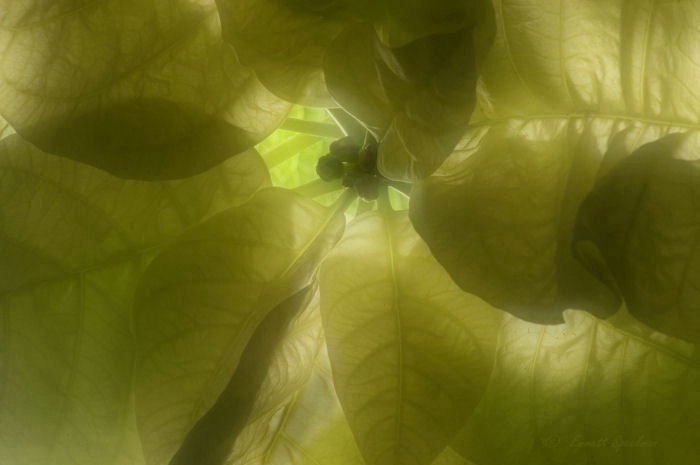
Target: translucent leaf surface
(141,88)
(283,44)
(61,216)
(74,241)
(417,99)
(507,205)
(419,93)
(620,59)
(586,392)
(410,352)
(450,457)
(315,429)
(297,418)
(643,221)
(562,84)
(201,299)
(5,129)
(211,439)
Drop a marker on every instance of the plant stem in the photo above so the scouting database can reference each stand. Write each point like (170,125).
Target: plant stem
(318,187)
(312,128)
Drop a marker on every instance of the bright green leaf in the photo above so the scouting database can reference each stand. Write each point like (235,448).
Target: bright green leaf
(202,298)
(141,88)
(74,241)
(643,220)
(292,153)
(410,351)
(586,392)
(315,128)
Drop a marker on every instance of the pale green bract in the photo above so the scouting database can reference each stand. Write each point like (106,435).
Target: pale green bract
(549,149)
(143,89)
(565,93)
(641,223)
(202,298)
(298,391)
(410,351)
(587,392)
(74,243)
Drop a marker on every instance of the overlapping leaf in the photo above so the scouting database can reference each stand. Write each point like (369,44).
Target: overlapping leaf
(562,84)
(619,59)
(5,129)
(297,418)
(586,392)
(417,99)
(283,44)
(201,300)
(285,40)
(74,241)
(506,214)
(410,352)
(643,221)
(141,88)
(211,439)
(406,69)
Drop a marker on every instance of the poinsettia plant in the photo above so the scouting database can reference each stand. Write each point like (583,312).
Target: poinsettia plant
(285,232)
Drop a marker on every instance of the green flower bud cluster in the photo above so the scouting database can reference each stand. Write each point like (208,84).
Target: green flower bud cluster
(355,165)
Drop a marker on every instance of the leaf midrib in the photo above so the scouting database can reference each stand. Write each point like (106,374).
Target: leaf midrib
(399,337)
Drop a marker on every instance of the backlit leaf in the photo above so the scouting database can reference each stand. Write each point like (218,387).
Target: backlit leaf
(74,242)
(561,85)
(283,44)
(5,129)
(417,99)
(141,88)
(211,439)
(505,223)
(410,352)
(613,59)
(202,298)
(586,392)
(297,417)
(643,220)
